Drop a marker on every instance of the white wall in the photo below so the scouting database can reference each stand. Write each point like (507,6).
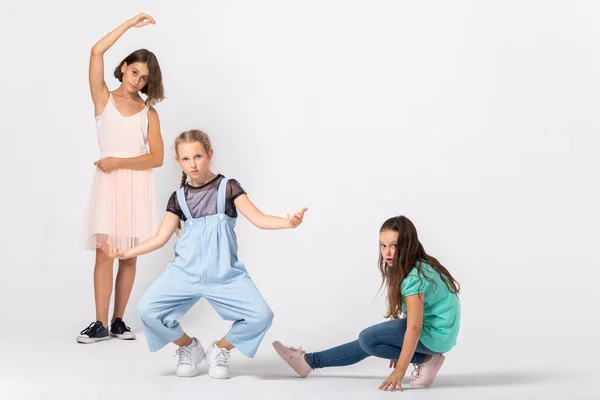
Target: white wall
(476,119)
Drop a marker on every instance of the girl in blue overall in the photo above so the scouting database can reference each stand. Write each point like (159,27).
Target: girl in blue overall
(205,264)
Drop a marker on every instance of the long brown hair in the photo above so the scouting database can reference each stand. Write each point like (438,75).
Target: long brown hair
(191,136)
(409,254)
(154,88)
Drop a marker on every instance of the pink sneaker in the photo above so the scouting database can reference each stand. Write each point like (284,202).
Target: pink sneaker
(425,373)
(294,357)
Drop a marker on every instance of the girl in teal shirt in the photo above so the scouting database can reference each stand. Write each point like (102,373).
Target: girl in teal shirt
(423,306)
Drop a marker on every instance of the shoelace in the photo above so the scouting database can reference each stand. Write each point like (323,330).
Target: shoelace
(122,327)
(185,355)
(91,330)
(416,374)
(300,349)
(222,358)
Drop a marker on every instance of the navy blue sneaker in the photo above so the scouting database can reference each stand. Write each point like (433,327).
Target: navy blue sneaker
(93,333)
(120,330)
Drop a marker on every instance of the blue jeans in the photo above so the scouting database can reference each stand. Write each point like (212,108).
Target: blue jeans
(383,340)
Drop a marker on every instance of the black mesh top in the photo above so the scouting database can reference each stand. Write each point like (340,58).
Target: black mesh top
(202,200)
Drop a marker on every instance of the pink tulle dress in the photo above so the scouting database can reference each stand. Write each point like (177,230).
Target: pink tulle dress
(122,202)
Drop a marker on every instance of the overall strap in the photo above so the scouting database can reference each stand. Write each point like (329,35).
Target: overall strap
(222,196)
(183,204)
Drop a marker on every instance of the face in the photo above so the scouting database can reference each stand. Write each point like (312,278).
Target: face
(388,242)
(194,160)
(135,76)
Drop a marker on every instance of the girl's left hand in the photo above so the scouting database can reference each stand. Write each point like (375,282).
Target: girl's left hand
(108,164)
(296,219)
(111,250)
(393,381)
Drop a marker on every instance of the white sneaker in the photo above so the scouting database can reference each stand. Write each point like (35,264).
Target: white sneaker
(189,358)
(218,361)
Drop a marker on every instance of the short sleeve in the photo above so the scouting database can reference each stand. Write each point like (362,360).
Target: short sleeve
(173,206)
(413,284)
(235,190)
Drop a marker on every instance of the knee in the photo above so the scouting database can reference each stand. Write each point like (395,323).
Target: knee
(144,310)
(128,263)
(264,318)
(366,340)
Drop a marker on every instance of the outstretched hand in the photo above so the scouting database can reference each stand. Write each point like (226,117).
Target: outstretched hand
(296,219)
(111,250)
(393,382)
(141,20)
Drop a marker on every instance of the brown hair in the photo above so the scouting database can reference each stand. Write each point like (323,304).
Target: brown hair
(191,136)
(409,254)
(154,88)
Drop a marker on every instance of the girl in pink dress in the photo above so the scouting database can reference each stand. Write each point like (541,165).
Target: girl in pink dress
(122,201)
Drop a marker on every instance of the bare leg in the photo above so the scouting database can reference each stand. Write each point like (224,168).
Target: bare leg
(224,344)
(185,340)
(123,286)
(103,281)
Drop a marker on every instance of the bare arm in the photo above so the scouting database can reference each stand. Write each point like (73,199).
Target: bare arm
(264,221)
(414,325)
(155,141)
(164,233)
(98,88)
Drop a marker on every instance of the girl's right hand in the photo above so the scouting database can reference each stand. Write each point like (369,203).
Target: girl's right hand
(111,250)
(296,219)
(141,20)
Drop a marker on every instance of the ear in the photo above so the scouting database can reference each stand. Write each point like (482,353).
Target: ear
(210,154)
(123,67)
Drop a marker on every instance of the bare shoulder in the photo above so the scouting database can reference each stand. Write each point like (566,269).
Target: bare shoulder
(152,111)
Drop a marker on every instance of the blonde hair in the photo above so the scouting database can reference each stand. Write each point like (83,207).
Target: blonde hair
(192,136)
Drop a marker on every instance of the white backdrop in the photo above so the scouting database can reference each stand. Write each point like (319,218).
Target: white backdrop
(477,120)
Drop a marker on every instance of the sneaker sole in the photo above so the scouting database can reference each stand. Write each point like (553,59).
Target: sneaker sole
(219,375)
(124,336)
(190,374)
(91,340)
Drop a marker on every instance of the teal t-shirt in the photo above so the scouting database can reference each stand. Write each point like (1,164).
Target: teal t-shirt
(441,313)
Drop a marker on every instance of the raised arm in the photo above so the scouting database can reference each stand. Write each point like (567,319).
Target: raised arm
(98,88)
